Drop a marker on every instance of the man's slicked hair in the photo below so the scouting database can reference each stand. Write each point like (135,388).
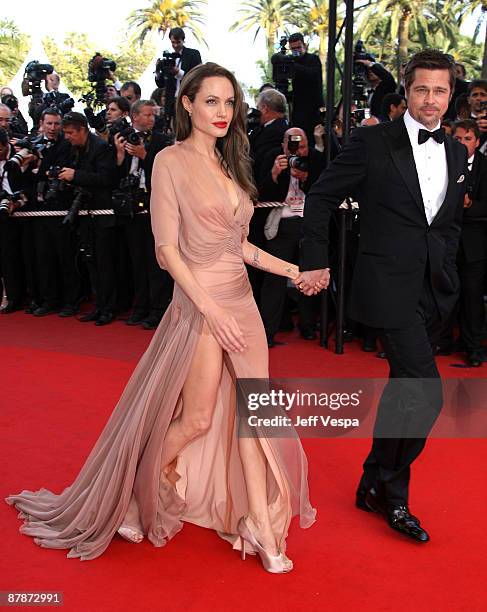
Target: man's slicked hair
(430,59)
(273,99)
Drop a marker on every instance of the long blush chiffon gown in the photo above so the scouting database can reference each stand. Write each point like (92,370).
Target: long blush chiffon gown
(120,482)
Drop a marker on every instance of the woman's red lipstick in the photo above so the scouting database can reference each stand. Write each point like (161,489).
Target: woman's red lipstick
(220,124)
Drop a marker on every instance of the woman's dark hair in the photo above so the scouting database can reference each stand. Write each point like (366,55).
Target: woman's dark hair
(234,147)
(430,59)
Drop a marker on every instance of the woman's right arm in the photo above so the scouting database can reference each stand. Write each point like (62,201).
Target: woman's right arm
(165,226)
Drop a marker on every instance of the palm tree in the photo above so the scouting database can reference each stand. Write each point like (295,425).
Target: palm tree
(13,46)
(268,16)
(312,18)
(162,15)
(468,9)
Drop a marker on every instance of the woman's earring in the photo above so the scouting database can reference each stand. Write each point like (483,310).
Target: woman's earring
(190,113)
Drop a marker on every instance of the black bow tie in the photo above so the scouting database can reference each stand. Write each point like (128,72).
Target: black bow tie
(438,135)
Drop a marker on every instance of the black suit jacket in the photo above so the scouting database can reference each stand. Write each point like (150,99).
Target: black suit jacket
(473,240)
(157,142)
(95,171)
(396,242)
(271,191)
(307,91)
(189,59)
(387,85)
(264,139)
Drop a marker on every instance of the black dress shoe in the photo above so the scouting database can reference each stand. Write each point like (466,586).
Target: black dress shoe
(271,343)
(151,322)
(45,309)
(67,311)
(136,318)
(369,346)
(9,307)
(368,500)
(31,307)
(104,319)
(90,316)
(381,355)
(308,333)
(399,518)
(474,359)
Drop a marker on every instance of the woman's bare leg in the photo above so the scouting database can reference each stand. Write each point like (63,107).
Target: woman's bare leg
(199,398)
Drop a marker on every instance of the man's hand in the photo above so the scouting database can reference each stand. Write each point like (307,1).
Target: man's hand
(136,150)
(313,281)
(365,62)
(467,202)
(120,147)
(280,164)
(67,174)
(482,123)
(319,135)
(174,70)
(301,175)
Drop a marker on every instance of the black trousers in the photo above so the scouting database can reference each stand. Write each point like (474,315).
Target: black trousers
(152,286)
(472,308)
(273,292)
(56,251)
(409,405)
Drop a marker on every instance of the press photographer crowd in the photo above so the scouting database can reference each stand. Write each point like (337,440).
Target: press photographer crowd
(74,203)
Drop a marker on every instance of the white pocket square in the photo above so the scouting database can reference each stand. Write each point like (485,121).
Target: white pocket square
(461,179)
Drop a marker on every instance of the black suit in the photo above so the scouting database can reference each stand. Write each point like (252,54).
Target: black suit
(285,244)
(472,258)
(307,93)
(152,286)
(189,59)
(387,85)
(405,279)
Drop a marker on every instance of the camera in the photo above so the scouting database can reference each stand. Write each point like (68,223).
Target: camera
(359,77)
(360,114)
(165,78)
(282,67)
(122,126)
(483,109)
(9,202)
(52,99)
(295,161)
(81,197)
(253,119)
(99,68)
(35,72)
(129,198)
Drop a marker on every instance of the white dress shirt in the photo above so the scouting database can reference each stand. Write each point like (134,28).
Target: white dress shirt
(294,206)
(431,166)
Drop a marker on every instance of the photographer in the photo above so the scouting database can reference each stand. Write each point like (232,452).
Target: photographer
(131,91)
(91,172)
(381,82)
(5,118)
(15,184)
(18,125)
(477,100)
(117,108)
(188,58)
(307,86)
(272,107)
(472,255)
(135,158)
(394,106)
(55,241)
(288,174)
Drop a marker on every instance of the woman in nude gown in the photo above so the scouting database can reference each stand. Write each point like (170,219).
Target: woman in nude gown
(170,451)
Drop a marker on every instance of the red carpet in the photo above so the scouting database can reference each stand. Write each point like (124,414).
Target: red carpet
(60,381)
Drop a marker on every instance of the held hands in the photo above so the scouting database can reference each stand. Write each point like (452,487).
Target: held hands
(225,329)
(313,281)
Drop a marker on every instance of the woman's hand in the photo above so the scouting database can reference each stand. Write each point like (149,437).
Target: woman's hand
(225,328)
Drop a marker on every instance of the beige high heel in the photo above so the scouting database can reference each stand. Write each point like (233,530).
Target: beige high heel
(130,534)
(275,564)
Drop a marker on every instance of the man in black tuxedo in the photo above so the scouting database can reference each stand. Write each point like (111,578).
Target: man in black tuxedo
(411,179)
(152,286)
(381,83)
(307,86)
(92,168)
(189,58)
(477,99)
(472,255)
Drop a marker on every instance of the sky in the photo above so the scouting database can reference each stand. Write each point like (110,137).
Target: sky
(105,23)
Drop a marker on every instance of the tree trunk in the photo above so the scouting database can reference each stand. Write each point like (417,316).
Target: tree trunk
(484,59)
(323,50)
(403,35)
(270,42)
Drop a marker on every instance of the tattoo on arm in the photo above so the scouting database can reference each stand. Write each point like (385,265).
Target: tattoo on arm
(256,261)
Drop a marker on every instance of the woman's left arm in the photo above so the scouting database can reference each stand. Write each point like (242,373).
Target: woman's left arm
(258,258)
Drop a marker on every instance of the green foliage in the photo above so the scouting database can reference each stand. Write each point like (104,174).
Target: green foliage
(71,59)
(13,48)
